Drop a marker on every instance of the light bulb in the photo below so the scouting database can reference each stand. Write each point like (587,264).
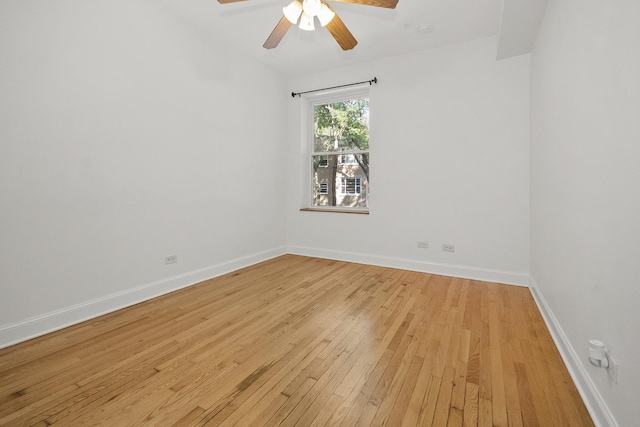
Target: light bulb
(293,11)
(325,15)
(306,22)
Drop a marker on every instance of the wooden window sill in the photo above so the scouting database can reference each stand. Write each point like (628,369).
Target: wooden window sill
(344,211)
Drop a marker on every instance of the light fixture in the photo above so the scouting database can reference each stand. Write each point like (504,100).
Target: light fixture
(306,22)
(293,11)
(325,15)
(306,11)
(311,7)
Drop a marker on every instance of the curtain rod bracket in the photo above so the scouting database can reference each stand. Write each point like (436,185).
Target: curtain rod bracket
(371,82)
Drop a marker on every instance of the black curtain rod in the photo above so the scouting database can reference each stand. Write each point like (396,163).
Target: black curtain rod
(374,80)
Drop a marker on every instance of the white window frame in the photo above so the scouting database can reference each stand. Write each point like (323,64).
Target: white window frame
(357,185)
(352,160)
(319,98)
(324,183)
(326,164)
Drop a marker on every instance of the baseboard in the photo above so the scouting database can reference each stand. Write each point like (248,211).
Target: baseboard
(59,319)
(598,409)
(506,277)
(49,322)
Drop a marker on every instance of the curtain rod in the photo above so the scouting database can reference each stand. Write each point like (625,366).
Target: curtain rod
(372,81)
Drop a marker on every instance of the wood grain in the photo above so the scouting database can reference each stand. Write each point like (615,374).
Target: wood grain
(341,33)
(300,341)
(277,34)
(390,4)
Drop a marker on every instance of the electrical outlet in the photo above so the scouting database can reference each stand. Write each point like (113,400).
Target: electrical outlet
(423,245)
(612,370)
(448,248)
(171,259)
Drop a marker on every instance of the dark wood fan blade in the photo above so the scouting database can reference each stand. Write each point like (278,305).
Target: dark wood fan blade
(341,33)
(389,4)
(278,33)
(229,1)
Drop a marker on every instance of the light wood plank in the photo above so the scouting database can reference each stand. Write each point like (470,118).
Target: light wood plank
(301,341)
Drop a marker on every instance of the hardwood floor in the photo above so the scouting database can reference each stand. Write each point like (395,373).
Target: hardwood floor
(301,341)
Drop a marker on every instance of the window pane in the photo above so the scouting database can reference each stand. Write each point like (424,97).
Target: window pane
(323,187)
(350,185)
(341,126)
(341,185)
(347,159)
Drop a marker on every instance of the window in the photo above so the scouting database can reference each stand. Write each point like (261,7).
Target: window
(340,152)
(351,185)
(323,161)
(347,159)
(324,188)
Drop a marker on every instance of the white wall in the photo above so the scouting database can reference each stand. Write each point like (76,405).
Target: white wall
(125,136)
(118,120)
(449,164)
(585,192)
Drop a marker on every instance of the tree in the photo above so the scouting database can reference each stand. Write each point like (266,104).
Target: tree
(342,126)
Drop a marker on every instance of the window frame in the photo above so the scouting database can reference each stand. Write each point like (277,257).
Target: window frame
(324,164)
(320,98)
(357,185)
(348,163)
(326,184)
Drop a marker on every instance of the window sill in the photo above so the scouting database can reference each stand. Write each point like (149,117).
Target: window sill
(344,211)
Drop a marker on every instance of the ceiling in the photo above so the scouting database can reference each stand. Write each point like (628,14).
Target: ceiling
(381,32)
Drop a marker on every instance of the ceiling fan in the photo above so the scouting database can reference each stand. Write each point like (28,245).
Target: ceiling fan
(308,10)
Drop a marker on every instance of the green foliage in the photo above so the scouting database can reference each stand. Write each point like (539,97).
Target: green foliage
(342,126)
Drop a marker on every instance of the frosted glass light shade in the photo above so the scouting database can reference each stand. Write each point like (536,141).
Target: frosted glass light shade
(311,7)
(306,22)
(292,11)
(325,15)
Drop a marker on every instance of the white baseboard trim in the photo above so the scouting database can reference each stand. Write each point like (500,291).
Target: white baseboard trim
(473,273)
(598,409)
(40,325)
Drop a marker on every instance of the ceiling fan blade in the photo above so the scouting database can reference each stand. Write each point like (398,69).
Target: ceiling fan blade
(229,1)
(389,4)
(341,33)
(277,34)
